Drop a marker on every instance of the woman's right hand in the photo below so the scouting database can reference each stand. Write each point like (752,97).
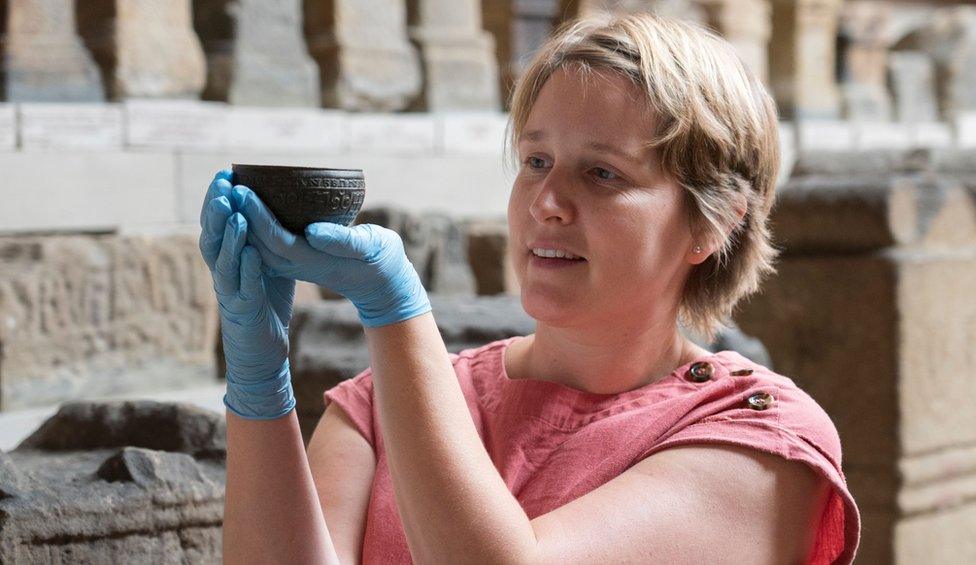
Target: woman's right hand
(255,310)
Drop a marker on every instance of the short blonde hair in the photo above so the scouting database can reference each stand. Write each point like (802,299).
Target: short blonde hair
(717,135)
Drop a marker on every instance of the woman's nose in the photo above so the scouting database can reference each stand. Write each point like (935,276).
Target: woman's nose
(552,200)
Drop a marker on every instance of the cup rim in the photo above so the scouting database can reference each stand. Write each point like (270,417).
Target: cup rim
(284,168)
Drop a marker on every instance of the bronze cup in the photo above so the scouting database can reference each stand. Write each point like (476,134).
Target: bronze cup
(299,196)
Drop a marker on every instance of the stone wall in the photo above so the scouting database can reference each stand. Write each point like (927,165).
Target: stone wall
(872,313)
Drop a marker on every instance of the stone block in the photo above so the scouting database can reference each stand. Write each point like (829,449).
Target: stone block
(827,135)
(116,503)
(366,62)
(935,135)
(144,49)
(965,126)
(86,191)
(256,53)
(91,316)
(474,132)
(871,313)
(170,124)
(881,135)
(393,133)
(8,127)
(70,126)
(911,77)
(42,59)
(284,129)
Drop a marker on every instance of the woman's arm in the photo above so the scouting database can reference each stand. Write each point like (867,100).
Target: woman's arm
(271,510)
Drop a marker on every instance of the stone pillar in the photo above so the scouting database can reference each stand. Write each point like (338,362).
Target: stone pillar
(498,18)
(256,53)
(365,59)
(872,313)
(911,76)
(865,60)
(802,70)
(460,71)
(747,25)
(42,57)
(145,48)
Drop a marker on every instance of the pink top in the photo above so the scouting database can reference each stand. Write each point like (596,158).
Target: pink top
(552,443)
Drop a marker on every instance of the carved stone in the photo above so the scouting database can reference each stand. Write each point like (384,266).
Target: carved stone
(130,497)
(865,58)
(96,315)
(256,53)
(144,49)
(365,60)
(43,59)
(872,313)
(802,71)
(460,72)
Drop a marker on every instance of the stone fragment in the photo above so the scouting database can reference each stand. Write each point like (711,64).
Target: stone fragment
(12,481)
(460,72)
(802,73)
(434,243)
(97,315)
(488,257)
(911,76)
(949,39)
(256,53)
(871,313)
(146,467)
(43,59)
(146,424)
(144,49)
(366,62)
(864,60)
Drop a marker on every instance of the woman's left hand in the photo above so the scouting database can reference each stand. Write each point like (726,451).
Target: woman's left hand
(364,263)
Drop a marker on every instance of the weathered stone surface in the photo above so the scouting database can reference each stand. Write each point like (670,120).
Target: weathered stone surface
(802,51)
(460,72)
(94,315)
(256,53)
(434,243)
(144,49)
(488,257)
(871,314)
(42,57)
(911,76)
(949,38)
(92,502)
(365,61)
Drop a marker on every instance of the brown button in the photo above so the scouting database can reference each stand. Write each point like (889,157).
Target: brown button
(760,401)
(701,371)
(741,373)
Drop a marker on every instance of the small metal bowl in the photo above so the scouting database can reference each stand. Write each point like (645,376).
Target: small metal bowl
(299,196)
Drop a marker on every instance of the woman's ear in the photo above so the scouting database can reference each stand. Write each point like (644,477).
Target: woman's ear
(701,249)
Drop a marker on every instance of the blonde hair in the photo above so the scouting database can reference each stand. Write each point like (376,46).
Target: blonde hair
(717,136)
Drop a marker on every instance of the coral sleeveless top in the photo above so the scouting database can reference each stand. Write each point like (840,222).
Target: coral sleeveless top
(552,443)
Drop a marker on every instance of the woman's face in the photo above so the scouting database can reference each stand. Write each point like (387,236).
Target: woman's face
(586,185)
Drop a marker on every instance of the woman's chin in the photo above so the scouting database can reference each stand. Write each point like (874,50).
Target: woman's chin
(553,311)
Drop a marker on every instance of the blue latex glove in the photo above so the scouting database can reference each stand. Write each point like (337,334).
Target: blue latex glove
(364,263)
(255,309)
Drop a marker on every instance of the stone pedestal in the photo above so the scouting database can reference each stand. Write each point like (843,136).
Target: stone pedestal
(144,49)
(872,313)
(865,59)
(43,59)
(256,53)
(365,60)
(91,316)
(802,69)
(460,72)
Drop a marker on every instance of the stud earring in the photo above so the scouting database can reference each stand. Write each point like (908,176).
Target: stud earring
(697,249)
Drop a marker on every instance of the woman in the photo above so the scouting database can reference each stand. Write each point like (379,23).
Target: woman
(647,161)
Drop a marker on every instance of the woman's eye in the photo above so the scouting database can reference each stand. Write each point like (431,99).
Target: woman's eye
(604,174)
(535,162)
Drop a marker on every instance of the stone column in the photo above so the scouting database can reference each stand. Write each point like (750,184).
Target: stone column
(460,72)
(747,25)
(256,53)
(365,59)
(865,60)
(872,313)
(43,59)
(145,48)
(802,70)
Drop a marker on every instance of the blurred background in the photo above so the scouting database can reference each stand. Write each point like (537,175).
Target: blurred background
(115,115)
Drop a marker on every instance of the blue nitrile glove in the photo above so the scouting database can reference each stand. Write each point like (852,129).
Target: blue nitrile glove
(364,263)
(255,310)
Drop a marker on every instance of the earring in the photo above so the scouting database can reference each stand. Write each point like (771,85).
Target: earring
(697,249)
